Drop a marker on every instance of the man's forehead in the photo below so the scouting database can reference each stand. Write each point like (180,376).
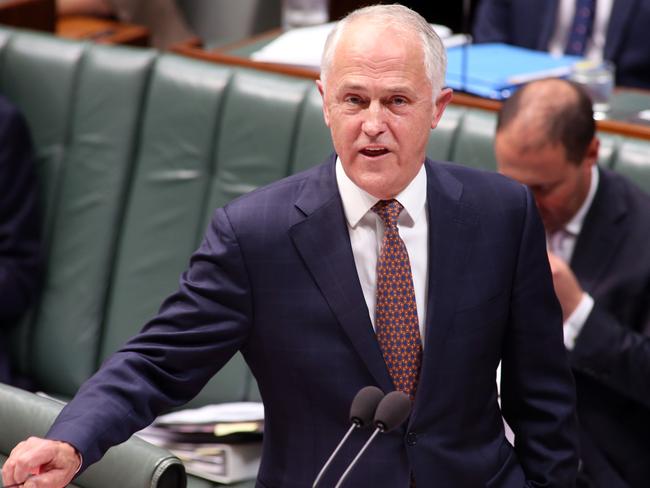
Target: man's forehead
(386,86)
(360,59)
(361,37)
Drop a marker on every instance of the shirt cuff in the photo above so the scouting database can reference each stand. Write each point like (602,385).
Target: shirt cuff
(576,321)
(81,462)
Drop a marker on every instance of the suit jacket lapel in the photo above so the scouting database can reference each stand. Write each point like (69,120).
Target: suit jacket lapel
(323,241)
(452,226)
(601,234)
(621,12)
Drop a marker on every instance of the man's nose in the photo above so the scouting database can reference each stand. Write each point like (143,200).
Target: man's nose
(374,123)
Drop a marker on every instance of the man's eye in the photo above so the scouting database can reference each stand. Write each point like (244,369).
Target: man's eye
(353,100)
(399,101)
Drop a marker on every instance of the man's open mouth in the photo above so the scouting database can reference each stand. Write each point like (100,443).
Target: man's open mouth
(373,152)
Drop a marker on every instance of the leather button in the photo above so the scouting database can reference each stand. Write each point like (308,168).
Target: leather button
(411,438)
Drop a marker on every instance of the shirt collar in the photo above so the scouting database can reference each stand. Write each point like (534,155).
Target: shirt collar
(357,202)
(574,226)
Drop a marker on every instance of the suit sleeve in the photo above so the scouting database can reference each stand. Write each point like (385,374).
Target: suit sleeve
(537,389)
(492,21)
(20,254)
(615,354)
(197,330)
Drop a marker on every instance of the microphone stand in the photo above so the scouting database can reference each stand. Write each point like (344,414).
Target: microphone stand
(333,455)
(354,461)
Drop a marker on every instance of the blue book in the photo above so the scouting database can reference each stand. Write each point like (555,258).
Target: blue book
(496,70)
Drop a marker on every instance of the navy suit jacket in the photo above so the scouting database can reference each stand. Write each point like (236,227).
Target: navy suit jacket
(611,359)
(275,279)
(20,253)
(531,23)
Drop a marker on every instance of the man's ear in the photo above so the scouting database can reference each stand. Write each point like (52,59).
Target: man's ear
(591,156)
(441,103)
(321,90)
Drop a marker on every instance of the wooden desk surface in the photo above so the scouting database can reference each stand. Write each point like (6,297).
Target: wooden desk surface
(103,31)
(623,120)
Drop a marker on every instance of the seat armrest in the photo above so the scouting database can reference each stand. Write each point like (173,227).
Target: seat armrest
(132,464)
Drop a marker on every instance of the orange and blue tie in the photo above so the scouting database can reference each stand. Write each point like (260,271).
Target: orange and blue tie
(396,315)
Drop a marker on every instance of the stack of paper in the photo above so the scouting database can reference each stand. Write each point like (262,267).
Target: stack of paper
(222,443)
(304,46)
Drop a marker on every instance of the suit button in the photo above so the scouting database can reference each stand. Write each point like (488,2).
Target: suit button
(411,438)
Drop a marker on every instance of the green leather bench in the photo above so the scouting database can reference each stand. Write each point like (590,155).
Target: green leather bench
(134,151)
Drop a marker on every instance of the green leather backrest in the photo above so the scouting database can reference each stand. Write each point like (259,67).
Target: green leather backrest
(312,141)
(609,144)
(633,160)
(4,39)
(97,171)
(254,143)
(474,142)
(84,115)
(167,194)
(443,138)
(39,75)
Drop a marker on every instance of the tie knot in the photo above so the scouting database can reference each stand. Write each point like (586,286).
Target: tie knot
(388,211)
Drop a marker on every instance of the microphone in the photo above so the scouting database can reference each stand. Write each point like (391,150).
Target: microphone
(391,412)
(362,411)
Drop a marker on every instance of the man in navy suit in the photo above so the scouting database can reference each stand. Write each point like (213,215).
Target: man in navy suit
(288,275)
(598,228)
(20,253)
(619,31)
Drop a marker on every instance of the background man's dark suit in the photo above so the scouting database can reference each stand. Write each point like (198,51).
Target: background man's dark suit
(530,24)
(19,226)
(612,363)
(275,278)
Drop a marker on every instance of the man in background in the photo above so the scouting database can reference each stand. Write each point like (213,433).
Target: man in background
(20,251)
(616,30)
(377,267)
(598,230)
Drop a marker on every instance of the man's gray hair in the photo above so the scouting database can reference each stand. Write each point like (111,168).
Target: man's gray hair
(401,18)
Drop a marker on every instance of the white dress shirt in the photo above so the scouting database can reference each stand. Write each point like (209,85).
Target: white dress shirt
(367,231)
(562,243)
(564,21)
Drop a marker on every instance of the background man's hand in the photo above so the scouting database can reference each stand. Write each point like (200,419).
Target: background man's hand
(52,464)
(567,288)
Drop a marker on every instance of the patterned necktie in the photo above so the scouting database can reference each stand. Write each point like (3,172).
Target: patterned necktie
(396,315)
(581,28)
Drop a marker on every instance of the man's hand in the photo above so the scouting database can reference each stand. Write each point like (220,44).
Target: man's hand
(567,288)
(41,463)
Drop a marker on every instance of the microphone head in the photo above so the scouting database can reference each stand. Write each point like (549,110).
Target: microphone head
(392,411)
(364,404)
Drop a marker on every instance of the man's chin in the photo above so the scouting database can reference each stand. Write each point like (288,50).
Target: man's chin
(378,185)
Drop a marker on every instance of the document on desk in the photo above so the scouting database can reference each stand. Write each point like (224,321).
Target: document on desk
(221,442)
(304,46)
(495,70)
